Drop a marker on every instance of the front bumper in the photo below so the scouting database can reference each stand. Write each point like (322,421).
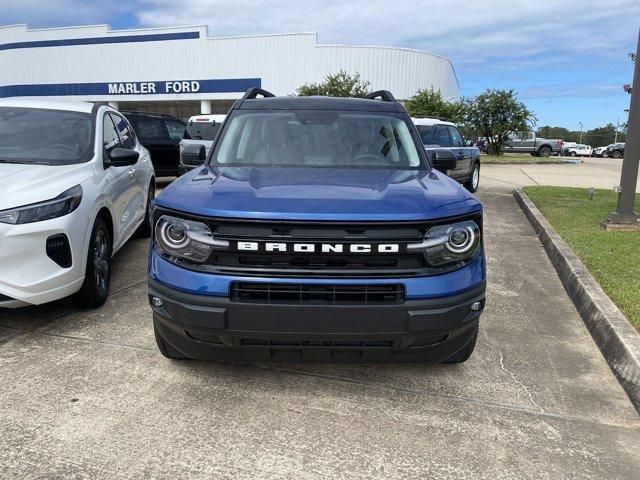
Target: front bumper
(214,328)
(27,275)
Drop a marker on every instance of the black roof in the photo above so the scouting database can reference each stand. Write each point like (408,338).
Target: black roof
(319,103)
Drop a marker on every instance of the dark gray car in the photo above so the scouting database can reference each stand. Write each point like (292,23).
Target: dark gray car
(437,133)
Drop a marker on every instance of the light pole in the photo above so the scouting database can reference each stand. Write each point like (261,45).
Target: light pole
(624,214)
(615,139)
(580,132)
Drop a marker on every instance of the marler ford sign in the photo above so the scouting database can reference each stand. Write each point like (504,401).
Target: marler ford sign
(118,89)
(128,88)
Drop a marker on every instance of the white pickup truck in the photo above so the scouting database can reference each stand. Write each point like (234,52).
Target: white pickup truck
(200,130)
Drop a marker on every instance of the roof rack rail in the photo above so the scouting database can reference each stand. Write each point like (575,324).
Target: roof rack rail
(384,95)
(254,92)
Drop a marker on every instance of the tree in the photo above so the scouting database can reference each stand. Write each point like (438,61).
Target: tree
(430,103)
(339,84)
(494,114)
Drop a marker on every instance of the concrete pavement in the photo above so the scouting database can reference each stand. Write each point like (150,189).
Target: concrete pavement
(85,394)
(593,172)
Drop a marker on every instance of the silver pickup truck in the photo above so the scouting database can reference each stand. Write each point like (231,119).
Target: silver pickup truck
(529,142)
(200,130)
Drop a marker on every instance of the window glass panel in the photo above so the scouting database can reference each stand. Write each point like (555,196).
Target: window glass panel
(456,138)
(175,128)
(110,136)
(442,136)
(425,132)
(124,130)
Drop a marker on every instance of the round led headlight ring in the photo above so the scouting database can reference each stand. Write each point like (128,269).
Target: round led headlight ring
(461,239)
(174,235)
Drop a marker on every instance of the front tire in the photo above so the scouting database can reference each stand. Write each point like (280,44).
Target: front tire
(616,154)
(97,278)
(474,180)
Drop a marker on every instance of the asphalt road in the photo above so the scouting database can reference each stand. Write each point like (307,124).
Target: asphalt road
(85,394)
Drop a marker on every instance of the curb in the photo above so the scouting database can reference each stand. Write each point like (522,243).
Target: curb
(616,338)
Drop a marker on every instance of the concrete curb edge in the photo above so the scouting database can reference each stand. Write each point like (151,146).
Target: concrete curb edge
(616,338)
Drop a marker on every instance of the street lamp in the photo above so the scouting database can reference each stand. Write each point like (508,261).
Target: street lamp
(580,132)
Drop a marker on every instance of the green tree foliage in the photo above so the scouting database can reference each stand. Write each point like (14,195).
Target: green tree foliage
(494,114)
(339,84)
(430,103)
(596,137)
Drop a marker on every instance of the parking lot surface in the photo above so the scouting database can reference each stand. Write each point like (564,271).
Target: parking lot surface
(592,172)
(86,394)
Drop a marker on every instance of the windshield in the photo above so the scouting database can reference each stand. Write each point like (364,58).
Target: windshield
(317,138)
(48,137)
(202,130)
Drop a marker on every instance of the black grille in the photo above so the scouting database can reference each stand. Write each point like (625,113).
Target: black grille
(324,294)
(59,251)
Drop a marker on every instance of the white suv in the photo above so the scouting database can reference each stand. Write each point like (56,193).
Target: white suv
(76,184)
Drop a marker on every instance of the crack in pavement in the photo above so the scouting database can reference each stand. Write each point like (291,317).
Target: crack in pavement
(456,398)
(515,379)
(528,176)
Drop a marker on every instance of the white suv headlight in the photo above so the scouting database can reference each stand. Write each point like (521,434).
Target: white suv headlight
(63,204)
(186,239)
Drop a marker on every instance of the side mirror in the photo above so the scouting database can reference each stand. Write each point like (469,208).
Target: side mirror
(122,157)
(193,155)
(443,160)
(469,143)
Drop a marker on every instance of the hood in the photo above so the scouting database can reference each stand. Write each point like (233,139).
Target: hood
(25,184)
(317,194)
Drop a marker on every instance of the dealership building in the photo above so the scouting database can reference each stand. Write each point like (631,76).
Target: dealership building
(185,71)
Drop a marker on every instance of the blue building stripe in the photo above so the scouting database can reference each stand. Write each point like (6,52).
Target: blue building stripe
(68,42)
(226,85)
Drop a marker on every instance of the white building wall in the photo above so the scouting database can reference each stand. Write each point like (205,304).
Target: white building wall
(281,62)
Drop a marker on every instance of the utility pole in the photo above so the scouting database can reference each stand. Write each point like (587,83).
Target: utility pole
(615,139)
(624,216)
(580,132)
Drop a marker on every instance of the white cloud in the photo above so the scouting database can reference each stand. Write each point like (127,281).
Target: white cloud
(470,32)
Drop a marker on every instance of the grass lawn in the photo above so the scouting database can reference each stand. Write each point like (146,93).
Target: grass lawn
(613,258)
(517,159)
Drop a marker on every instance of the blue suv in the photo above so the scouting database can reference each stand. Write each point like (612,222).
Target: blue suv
(317,229)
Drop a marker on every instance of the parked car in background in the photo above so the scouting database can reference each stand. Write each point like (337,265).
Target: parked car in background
(529,142)
(76,184)
(578,150)
(200,130)
(318,229)
(161,135)
(599,151)
(614,151)
(436,134)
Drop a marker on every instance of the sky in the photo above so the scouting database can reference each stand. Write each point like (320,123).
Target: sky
(566,59)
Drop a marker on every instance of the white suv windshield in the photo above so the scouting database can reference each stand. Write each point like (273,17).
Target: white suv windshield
(317,138)
(50,137)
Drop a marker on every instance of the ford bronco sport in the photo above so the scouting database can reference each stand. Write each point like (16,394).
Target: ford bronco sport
(318,229)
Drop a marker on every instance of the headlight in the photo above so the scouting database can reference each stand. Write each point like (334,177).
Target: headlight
(186,239)
(63,204)
(449,244)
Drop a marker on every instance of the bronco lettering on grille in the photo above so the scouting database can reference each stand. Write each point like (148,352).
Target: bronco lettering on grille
(285,247)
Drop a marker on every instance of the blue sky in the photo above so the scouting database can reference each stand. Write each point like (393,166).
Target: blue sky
(567,59)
